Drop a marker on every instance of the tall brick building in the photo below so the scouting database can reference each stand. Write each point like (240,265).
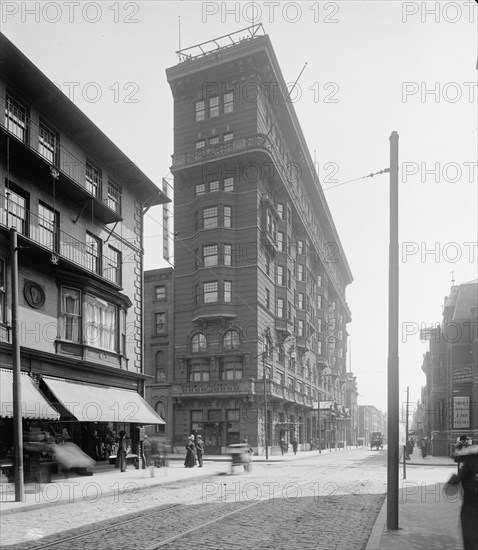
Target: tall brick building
(450,397)
(260,274)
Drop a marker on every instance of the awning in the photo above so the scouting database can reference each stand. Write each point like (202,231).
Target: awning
(92,403)
(33,403)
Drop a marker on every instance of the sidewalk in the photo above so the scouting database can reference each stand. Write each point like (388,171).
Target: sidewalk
(427,518)
(108,481)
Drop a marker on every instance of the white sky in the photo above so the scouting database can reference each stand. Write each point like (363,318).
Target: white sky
(360,54)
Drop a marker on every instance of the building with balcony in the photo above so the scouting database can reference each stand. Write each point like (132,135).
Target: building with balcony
(76,203)
(450,397)
(260,274)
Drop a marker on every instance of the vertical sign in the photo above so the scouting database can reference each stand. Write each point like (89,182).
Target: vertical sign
(461,412)
(167,229)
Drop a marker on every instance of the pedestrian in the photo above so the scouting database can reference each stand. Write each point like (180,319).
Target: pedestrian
(199,450)
(190,460)
(121,453)
(147,447)
(283,446)
(468,477)
(294,445)
(462,442)
(424,448)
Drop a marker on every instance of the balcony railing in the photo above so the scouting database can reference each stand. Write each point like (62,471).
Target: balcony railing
(47,236)
(47,146)
(219,387)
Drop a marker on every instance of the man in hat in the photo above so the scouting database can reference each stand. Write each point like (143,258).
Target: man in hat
(199,450)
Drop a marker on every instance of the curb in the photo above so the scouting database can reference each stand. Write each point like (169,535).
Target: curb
(378,528)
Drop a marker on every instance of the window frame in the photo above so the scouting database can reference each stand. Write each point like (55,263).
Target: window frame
(210,296)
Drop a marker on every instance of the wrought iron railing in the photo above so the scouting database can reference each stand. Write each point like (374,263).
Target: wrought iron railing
(43,232)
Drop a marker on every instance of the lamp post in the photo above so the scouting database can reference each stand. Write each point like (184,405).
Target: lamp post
(266,442)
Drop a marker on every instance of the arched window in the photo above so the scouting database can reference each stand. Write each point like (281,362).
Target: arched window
(160,366)
(231,340)
(198,343)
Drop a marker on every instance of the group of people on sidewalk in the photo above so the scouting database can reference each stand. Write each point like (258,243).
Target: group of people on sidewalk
(422,445)
(194,452)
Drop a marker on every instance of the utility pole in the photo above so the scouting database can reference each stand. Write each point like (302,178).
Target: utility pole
(17,388)
(266,442)
(393,331)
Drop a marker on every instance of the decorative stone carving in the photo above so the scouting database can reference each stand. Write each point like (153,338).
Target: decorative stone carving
(34,294)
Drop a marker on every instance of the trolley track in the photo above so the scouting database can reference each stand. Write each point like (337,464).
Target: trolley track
(159,523)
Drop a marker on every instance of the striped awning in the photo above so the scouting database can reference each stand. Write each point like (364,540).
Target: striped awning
(93,403)
(33,403)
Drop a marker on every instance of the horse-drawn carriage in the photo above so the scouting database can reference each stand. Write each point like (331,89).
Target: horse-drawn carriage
(376,440)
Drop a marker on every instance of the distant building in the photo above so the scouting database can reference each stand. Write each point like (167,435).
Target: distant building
(451,368)
(352,423)
(159,345)
(260,273)
(370,419)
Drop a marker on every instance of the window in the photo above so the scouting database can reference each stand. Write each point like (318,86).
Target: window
(199,371)
(200,110)
(160,323)
(267,346)
(196,420)
(268,265)
(48,143)
(268,299)
(214,107)
(281,354)
(319,301)
(198,343)
(229,136)
(210,255)
(300,247)
(123,331)
(228,101)
(93,247)
(99,323)
(227,216)
(279,377)
(160,292)
(210,217)
(300,272)
(47,227)
(214,140)
(301,328)
(227,291)
(160,366)
(280,275)
(280,210)
(112,270)
(16,207)
(70,314)
(300,300)
(200,189)
(213,186)
(319,280)
(319,347)
(228,184)
(231,340)
(290,382)
(227,259)
(319,325)
(93,179)
(200,144)
(280,241)
(280,307)
(16,118)
(210,294)
(3,294)
(114,197)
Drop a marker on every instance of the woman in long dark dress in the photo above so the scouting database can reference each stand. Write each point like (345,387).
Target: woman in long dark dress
(468,477)
(190,460)
(121,454)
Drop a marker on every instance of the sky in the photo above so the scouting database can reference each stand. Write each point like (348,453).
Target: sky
(372,68)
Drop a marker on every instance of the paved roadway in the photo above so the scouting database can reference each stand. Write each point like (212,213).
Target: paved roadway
(327,502)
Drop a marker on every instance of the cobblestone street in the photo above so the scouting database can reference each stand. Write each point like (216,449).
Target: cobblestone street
(329,501)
